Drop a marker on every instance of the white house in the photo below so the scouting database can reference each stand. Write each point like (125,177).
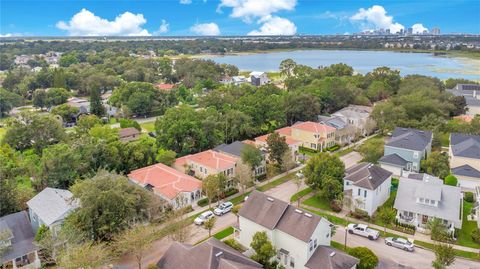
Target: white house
(422,197)
(50,208)
(259,78)
(301,239)
(358,117)
(368,186)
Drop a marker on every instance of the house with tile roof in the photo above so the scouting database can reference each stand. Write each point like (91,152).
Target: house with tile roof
(405,150)
(314,135)
(422,197)
(176,188)
(235,150)
(210,254)
(50,207)
(302,239)
(209,162)
(367,185)
(464,153)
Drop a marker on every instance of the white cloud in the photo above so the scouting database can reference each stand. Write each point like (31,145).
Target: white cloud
(163,28)
(6,35)
(418,28)
(376,17)
(85,23)
(185,2)
(273,25)
(250,9)
(205,29)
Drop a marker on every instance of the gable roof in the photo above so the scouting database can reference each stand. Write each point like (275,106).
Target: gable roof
(394,159)
(211,254)
(234,148)
(409,138)
(313,127)
(125,132)
(256,74)
(209,158)
(367,175)
(273,213)
(52,205)
(326,257)
(465,145)
(165,180)
(354,111)
(466,170)
(23,236)
(333,121)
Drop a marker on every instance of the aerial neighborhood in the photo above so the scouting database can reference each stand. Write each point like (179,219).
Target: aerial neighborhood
(155,154)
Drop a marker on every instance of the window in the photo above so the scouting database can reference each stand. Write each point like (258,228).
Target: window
(315,243)
(432,202)
(421,200)
(427,201)
(314,146)
(359,192)
(365,193)
(415,154)
(201,169)
(310,243)
(206,171)
(292,262)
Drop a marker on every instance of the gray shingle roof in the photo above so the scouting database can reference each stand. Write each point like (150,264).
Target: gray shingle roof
(409,138)
(23,236)
(367,175)
(52,205)
(335,122)
(354,111)
(234,148)
(466,170)
(211,254)
(464,145)
(394,159)
(450,198)
(330,258)
(273,213)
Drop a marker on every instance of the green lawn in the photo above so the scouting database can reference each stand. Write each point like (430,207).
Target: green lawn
(333,219)
(224,233)
(459,253)
(239,199)
(444,139)
(276,182)
(464,234)
(149,126)
(318,202)
(343,152)
(300,194)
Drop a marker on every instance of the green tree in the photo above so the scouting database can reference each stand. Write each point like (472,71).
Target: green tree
(8,195)
(444,256)
(386,215)
(60,166)
(66,111)
(96,105)
(236,210)
(324,173)
(438,231)
(86,255)
(372,150)
(209,224)
(264,249)
(86,122)
(391,78)
(277,146)
(437,164)
(451,180)
(211,188)
(8,101)
(251,156)
(368,259)
(39,98)
(287,66)
(56,96)
(109,204)
(165,156)
(135,241)
(125,123)
(68,59)
(301,107)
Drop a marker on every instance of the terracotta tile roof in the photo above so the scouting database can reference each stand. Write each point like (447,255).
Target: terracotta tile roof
(313,127)
(288,139)
(285,131)
(164,86)
(465,118)
(165,180)
(209,158)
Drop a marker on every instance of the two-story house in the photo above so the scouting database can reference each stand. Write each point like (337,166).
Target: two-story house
(367,186)
(358,117)
(235,150)
(471,92)
(464,153)
(210,254)
(405,149)
(175,187)
(17,248)
(422,197)
(293,144)
(205,163)
(259,78)
(345,133)
(314,135)
(50,207)
(301,239)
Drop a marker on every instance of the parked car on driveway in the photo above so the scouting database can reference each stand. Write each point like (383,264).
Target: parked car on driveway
(400,243)
(203,217)
(363,230)
(223,208)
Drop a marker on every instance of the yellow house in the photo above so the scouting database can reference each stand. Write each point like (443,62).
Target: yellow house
(313,135)
(464,153)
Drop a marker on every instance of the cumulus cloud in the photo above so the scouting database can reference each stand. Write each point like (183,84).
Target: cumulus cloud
(85,23)
(250,9)
(163,28)
(6,35)
(376,17)
(185,2)
(418,28)
(208,29)
(273,25)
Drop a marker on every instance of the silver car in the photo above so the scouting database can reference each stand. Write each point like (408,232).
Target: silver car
(400,243)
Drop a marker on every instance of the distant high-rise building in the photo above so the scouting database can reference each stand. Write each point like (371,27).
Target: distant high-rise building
(435,31)
(387,31)
(409,31)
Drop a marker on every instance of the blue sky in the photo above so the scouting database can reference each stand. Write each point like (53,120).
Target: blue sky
(232,17)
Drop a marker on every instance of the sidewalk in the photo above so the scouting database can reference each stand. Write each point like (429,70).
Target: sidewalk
(418,236)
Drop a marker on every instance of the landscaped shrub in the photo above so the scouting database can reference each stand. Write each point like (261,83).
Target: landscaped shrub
(204,201)
(368,259)
(360,214)
(307,150)
(234,244)
(468,197)
(402,227)
(333,148)
(451,180)
(336,206)
(476,235)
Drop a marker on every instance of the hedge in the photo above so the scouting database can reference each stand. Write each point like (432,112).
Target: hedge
(203,202)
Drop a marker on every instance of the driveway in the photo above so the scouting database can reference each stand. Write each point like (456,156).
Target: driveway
(351,159)
(285,191)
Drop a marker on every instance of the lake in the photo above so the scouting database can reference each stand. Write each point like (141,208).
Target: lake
(362,61)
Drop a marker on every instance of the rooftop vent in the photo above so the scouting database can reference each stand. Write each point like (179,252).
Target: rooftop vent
(332,254)
(298,211)
(308,215)
(270,199)
(219,254)
(369,177)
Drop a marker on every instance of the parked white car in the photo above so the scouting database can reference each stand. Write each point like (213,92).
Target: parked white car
(363,230)
(223,208)
(203,217)
(400,243)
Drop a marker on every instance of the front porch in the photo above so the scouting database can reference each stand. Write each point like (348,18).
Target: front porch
(28,261)
(420,221)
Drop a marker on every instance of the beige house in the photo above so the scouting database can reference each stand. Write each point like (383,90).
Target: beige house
(464,153)
(205,163)
(313,135)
